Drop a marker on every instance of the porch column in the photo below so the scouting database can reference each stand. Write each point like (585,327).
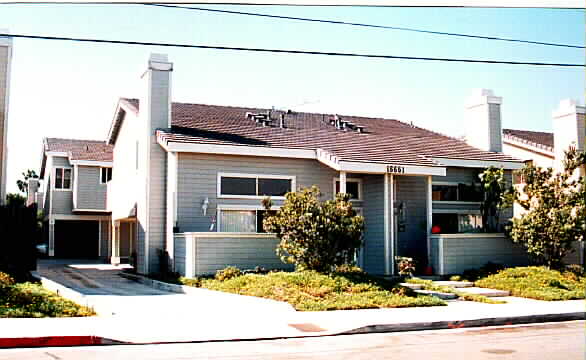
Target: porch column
(429,218)
(389,213)
(115,259)
(343,182)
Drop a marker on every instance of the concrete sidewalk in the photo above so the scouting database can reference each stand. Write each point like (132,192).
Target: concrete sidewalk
(204,315)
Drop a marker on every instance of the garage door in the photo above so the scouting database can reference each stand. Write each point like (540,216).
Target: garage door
(76,239)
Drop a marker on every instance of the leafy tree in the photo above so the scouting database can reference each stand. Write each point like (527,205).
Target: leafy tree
(315,235)
(23,184)
(556,211)
(496,198)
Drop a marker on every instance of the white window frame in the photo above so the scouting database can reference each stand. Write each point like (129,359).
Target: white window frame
(452,202)
(102,169)
(254,176)
(348,180)
(62,168)
(240,208)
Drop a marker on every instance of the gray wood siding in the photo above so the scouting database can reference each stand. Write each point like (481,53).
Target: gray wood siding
(198,177)
(179,254)
(472,252)
(157,204)
(90,193)
(412,192)
(62,200)
(105,227)
(373,191)
(216,253)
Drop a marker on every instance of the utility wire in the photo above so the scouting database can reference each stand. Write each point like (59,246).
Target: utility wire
(282,51)
(367,25)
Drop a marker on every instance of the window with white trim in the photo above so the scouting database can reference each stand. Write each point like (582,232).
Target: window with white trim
(63,178)
(242,220)
(105,175)
(254,186)
(454,223)
(353,187)
(455,192)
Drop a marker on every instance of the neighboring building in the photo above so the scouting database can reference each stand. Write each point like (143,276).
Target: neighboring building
(75,174)
(5,60)
(188,180)
(546,149)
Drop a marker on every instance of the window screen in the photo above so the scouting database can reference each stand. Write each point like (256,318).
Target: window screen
(238,221)
(274,187)
(238,186)
(351,188)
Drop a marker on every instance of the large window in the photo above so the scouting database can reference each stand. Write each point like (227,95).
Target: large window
(105,175)
(63,178)
(244,185)
(235,220)
(353,187)
(456,223)
(455,192)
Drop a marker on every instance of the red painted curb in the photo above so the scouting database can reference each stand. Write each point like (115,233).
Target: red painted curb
(46,341)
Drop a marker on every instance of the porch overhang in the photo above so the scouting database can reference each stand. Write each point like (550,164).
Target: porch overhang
(507,165)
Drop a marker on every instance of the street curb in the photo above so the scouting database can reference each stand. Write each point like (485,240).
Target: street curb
(53,341)
(458,324)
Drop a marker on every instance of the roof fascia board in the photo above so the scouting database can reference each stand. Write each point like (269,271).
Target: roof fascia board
(57,153)
(238,150)
(378,168)
(91,163)
(127,110)
(528,146)
(507,165)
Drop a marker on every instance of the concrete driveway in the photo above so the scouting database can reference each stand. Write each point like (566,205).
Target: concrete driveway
(102,287)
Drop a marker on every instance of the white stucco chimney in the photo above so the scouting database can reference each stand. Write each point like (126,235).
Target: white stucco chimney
(568,130)
(154,113)
(5,62)
(483,120)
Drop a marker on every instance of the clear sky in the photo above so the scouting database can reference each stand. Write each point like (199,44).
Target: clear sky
(66,89)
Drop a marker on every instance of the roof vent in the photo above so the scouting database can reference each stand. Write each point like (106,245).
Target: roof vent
(342,124)
(87,148)
(260,118)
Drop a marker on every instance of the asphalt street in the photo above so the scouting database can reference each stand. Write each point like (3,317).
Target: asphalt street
(564,341)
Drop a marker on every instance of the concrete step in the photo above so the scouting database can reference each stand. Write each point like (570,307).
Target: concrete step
(441,295)
(484,291)
(454,284)
(412,286)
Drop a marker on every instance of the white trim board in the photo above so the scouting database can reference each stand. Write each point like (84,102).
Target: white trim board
(507,165)
(91,163)
(219,194)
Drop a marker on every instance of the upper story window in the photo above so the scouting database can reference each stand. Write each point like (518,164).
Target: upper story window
(105,175)
(63,178)
(254,186)
(353,187)
(455,192)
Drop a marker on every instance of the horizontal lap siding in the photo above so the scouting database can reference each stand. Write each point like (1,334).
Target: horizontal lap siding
(469,253)
(179,254)
(244,253)
(90,193)
(198,177)
(62,200)
(373,191)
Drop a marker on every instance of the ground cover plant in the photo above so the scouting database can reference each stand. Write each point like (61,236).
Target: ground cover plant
(539,283)
(345,289)
(32,300)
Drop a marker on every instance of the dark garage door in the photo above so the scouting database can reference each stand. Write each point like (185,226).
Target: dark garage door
(76,239)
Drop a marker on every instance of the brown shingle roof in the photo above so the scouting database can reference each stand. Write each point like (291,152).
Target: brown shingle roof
(90,150)
(543,140)
(384,140)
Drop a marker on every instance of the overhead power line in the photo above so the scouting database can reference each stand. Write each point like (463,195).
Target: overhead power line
(283,51)
(368,25)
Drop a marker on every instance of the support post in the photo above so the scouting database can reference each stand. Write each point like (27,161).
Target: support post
(387,243)
(343,182)
(392,224)
(429,218)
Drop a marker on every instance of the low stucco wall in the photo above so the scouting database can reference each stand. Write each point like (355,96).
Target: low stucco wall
(201,253)
(455,253)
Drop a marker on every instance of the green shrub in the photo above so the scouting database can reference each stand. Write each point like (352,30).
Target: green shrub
(315,235)
(228,273)
(6,280)
(455,278)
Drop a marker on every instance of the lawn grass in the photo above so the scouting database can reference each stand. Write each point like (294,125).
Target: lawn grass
(537,283)
(33,300)
(312,291)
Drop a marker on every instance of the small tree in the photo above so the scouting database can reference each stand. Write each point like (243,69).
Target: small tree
(315,235)
(23,184)
(556,211)
(496,198)
(15,200)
